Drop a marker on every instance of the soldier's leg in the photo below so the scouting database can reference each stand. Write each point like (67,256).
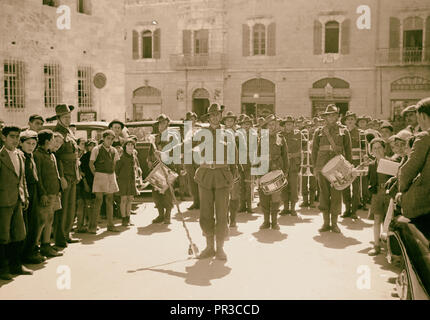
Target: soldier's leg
(207,220)
(168,205)
(221,226)
(242,192)
(324,205)
(312,191)
(265,206)
(248,191)
(275,200)
(355,198)
(293,180)
(157,197)
(194,188)
(346,196)
(285,196)
(305,192)
(234,204)
(335,208)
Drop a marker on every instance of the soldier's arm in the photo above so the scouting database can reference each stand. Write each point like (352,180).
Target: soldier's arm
(416,161)
(347,145)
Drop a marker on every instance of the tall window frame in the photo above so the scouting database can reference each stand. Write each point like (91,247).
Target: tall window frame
(259,39)
(332,37)
(14,84)
(52,85)
(84,76)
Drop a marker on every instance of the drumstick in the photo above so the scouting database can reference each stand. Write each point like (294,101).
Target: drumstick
(192,249)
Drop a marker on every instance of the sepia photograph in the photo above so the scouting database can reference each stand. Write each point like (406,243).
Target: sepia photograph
(215,156)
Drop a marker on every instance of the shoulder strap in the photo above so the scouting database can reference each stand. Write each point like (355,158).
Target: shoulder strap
(330,139)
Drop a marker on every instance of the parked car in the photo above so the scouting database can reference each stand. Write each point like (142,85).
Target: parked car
(87,130)
(408,245)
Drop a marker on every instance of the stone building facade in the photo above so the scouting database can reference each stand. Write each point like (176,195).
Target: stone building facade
(258,56)
(45,63)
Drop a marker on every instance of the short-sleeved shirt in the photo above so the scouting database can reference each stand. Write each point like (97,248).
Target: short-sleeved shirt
(96,150)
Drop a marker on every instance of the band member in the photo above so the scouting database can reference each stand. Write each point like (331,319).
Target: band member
(278,160)
(163,202)
(215,182)
(362,122)
(102,164)
(191,168)
(229,120)
(35,122)
(13,199)
(329,141)
(293,137)
(410,116)
(67,159)
(117,126)
(380,199)
(309,185)
(245,174)
(352,201)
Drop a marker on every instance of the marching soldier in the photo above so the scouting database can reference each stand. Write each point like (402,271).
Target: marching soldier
(215,181)
(163,202)
(309,186)
(229,121)
(278,160)
(352,202)
(245,173)
(293,138)
(329,141)
(191,168)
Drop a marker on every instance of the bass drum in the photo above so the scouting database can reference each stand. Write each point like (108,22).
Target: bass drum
(157,177)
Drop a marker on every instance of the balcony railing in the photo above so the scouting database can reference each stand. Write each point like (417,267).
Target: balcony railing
(403,56)
(197,61)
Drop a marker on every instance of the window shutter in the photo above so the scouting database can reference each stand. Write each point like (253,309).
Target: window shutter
(156,46)
(204,41)
(135,45)
(271,39)
(186,41)
(345,34)
(245,40)
(427,37)
(317,37)
(394,40)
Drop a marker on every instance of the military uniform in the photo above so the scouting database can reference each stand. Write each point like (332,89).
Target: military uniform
(309,185)
(278,160)
(323,152)
(290,193)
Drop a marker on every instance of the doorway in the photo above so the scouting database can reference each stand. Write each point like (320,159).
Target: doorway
(200,101)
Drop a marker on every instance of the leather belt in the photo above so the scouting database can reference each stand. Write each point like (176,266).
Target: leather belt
(325,148)
(294,155)
(213,166)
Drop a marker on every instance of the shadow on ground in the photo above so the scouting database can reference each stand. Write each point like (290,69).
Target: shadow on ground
(270,236)
(153,228)
(335,240)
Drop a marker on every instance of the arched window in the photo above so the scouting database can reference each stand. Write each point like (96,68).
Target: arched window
(332,37)
(146,44)
(259,32)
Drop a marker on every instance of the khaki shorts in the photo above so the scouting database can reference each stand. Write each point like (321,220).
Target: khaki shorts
(105,182)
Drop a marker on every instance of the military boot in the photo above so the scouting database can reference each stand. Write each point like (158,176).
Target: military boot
(326,226)
(334,226)
(293,209)
(286,209)
(234,205)
(160,217)
(266,223)
(209,251)
(167,216)
(220,254)
(124,222)
(128,221)
(274,216)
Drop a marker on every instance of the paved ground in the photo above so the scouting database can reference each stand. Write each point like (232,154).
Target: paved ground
(151,262)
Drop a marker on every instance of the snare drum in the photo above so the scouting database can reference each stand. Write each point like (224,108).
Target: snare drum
(157,178)
(273,182)
(339,172)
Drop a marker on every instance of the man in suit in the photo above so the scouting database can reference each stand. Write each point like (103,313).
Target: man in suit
(13,199)
(410,116)
(330,140)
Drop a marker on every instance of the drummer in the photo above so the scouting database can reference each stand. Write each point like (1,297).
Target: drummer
(278,160)
(329,141)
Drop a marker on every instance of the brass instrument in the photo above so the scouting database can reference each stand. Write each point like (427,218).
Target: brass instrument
(305,155)
(363,167)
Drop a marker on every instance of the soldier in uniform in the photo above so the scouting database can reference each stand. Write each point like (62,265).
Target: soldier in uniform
(215,181)
(309,185)
(410,116)
(163,201)
(68,167)
(245,173)
(352,201)
(329,141)
(191,168)
(293,137)
(229,120)
(278,160)
(362,122)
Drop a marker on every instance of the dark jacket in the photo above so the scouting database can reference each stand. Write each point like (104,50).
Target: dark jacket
(376,180)
(67,155)
(126,175)
(49,183)
(12,186)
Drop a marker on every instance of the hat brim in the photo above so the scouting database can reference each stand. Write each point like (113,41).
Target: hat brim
(206,115)
(118,122)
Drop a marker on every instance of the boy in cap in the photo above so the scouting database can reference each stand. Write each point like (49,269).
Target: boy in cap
(13,200)
(35,122)
(102,164)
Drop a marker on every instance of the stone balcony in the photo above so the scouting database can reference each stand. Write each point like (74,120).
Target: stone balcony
(197,61)
(402,57)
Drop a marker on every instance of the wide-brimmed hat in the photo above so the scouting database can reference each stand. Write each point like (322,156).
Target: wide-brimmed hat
(245,118)
(229,114)
(162,117)
(331,109)
(189,115)
(347,115)
(35,117)
(412,108)
(287,119)
(118,122)
(60,110)
(213,108)
(269,118)
(403,135)
(363,117)
(386,124)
